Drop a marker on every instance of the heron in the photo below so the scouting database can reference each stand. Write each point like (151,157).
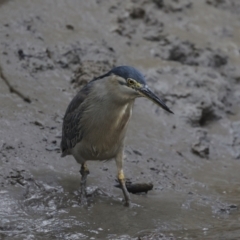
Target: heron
(96,120)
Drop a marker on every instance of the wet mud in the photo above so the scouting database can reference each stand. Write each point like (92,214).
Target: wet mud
(189,52)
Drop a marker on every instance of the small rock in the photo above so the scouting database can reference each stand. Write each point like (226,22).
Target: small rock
(159,3)
(70,27)
(136,187)
(38,123)
(200,150)
(52,148)
(201,146)
(137,13)
(233,206)
(21,54)
(137,152)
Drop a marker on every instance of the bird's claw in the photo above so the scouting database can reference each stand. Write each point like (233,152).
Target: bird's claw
(127,204)
(82,201)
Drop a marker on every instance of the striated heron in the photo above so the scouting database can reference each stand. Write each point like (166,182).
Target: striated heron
(96,120)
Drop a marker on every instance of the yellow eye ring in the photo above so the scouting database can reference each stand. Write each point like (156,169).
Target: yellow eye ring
(130,81)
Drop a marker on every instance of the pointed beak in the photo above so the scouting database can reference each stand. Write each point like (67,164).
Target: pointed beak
(146,92)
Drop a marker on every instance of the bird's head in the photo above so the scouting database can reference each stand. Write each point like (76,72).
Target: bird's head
(130,82)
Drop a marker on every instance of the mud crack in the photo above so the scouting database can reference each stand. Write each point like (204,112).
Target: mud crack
(13,89)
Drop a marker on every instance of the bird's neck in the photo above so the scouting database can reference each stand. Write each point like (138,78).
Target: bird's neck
(110,94)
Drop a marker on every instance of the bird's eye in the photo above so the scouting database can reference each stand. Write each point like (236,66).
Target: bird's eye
(130,81)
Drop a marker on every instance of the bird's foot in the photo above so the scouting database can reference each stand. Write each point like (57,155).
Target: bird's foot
(82,197)
(130,204)
(83,201)
(127,204)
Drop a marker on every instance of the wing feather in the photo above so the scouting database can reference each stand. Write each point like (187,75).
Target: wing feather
(71,129)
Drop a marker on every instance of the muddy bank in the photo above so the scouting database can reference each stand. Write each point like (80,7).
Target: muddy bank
(189,53)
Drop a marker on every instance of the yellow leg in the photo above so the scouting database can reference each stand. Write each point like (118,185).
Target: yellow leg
(84,172)
(121,178)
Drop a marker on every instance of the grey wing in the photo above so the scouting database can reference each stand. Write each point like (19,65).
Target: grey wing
(71,130)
